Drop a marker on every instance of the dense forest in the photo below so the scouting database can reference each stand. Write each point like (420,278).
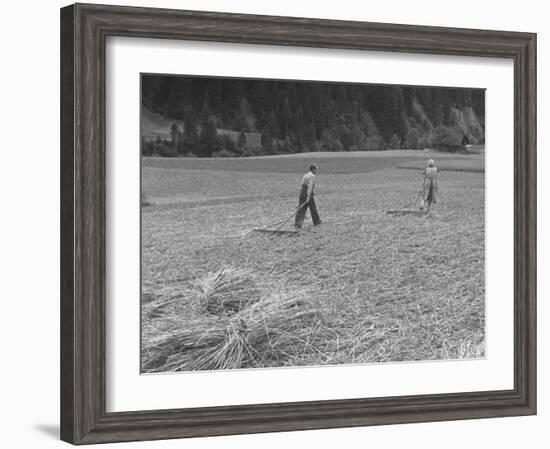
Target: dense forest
(204,117)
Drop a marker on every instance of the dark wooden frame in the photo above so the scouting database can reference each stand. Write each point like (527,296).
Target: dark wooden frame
(84,29)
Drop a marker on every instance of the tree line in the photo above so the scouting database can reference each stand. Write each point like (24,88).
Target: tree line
(239,117)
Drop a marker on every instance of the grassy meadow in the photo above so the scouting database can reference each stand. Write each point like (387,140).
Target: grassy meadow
(364,287)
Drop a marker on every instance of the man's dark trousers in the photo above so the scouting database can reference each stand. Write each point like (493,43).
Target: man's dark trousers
(301,214)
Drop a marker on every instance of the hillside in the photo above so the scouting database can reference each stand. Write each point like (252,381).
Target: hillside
(154,125)
(233,117)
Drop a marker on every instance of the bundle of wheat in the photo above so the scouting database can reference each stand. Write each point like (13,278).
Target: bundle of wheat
(277,331)
(228,290)
(159,307)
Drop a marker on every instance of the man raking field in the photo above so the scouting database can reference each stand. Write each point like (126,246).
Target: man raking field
(305,200)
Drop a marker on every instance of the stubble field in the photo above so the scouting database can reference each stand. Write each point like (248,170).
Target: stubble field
(364,287)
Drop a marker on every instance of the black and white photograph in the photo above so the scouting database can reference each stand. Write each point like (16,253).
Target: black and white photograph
(275,224)
(290,223)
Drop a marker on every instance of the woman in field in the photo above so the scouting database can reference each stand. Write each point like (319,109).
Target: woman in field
(429,186)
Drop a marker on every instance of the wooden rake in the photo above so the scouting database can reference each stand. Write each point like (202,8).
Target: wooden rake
(279,224)
(407,209)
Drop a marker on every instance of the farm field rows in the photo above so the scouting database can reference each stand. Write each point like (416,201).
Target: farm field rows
(382,288)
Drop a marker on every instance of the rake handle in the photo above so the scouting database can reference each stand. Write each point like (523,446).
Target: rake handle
(414,201)
(285,220)
(293,213)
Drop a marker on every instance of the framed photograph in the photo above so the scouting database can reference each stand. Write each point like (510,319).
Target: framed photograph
(275,223)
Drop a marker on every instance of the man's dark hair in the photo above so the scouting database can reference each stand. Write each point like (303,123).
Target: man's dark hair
(312,167)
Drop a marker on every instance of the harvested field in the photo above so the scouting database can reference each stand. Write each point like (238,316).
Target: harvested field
(363,287)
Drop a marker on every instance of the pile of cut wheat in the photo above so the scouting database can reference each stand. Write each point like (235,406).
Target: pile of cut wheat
(228,290)
(271,331)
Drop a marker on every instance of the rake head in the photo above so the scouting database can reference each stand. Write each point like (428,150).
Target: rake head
(405,212)
(276,231)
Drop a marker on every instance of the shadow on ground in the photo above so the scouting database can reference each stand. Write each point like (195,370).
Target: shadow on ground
(50,430)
